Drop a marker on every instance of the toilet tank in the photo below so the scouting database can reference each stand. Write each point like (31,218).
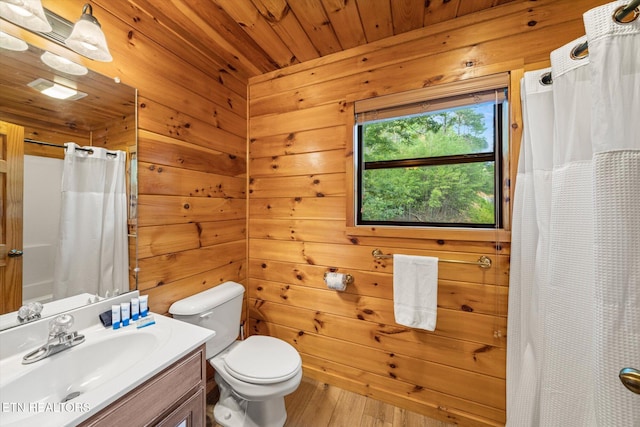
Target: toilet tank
(218,309)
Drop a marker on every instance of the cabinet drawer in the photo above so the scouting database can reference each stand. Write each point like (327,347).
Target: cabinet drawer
(157,397)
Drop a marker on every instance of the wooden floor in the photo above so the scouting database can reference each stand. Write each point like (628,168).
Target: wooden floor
(316,404)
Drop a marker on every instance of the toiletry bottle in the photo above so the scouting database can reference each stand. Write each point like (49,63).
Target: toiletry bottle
(135,309)
(115,316)
(144,305)
(124,312)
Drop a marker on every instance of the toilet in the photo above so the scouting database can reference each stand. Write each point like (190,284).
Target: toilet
(253,375)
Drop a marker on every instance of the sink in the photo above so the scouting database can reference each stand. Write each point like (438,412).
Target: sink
(55,381)
(71,373)
(69,387)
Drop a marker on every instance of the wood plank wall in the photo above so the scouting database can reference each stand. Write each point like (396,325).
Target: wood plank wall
(300,160)
(193,167)
(191,152)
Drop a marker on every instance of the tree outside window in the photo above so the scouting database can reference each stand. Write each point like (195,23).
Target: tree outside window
(434,168)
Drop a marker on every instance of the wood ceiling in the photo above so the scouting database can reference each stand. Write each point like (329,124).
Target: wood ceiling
(105,102)
(252,37)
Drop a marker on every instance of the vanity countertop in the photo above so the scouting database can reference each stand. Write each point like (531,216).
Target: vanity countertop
(105,367)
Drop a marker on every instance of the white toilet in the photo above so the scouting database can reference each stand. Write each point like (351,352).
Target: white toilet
(253,375)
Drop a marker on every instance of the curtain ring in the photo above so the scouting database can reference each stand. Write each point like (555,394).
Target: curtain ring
(623,16)
(546,79)
(580,51)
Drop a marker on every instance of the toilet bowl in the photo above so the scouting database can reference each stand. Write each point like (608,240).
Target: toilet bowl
(253,375)
(261,371)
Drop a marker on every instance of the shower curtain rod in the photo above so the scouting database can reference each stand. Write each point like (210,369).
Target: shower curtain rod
(618,16)
(577,52)
(49,144)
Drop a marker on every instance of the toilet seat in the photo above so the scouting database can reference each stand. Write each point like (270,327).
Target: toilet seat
(262,360)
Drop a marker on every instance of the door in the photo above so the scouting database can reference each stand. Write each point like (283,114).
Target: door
(11,182)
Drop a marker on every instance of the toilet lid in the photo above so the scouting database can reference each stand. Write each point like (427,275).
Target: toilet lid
(262,360)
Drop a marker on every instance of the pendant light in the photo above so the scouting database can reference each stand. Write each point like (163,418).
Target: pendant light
(87,37)
(63,65)
(26,13)
(9,42)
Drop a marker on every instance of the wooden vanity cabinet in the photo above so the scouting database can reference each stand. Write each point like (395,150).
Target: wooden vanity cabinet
(174,397)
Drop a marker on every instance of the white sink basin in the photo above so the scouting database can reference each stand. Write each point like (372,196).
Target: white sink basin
(72,385)
(77,370)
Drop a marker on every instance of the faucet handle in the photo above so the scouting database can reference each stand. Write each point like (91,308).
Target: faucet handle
(24,312)
(36,307)
(29,312)
(60,324)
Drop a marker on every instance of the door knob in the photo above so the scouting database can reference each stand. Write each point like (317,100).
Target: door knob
(14,253)
(631,379)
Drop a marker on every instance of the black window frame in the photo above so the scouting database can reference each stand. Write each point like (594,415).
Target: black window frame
(495,156)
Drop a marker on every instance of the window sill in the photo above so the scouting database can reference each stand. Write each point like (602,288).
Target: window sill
(466,234)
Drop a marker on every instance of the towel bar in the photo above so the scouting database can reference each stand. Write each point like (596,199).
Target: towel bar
(484,261)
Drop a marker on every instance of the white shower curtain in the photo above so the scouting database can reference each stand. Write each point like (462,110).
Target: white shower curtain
(574,302)
(92,254)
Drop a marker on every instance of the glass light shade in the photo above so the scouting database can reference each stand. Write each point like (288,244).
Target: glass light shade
(9,42)
(63,64)
(26,13)
(88,40)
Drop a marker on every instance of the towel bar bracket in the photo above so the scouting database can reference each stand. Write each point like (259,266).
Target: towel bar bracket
(483,262)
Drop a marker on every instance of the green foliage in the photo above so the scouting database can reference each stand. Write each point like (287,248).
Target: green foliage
(457,193)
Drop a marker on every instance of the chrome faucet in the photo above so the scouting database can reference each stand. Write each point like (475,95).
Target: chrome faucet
(29,312)
(60,338)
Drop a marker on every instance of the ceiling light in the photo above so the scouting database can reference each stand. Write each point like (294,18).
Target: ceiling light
(63,64)
(26,13)
(59,92)
(87,37)
(56,90)
(12,43)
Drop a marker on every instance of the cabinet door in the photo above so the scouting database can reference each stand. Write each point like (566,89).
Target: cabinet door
(190,414)
(148,403)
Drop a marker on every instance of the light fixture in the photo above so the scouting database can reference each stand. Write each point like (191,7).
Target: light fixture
(9,42)
(63,64)
(87,37)
(56,90)
(26,13)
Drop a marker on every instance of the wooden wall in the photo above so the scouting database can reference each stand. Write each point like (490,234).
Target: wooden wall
(193,199)
(300,184)
(191,153)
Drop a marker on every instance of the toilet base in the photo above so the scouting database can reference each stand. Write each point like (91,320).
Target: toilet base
(231,411)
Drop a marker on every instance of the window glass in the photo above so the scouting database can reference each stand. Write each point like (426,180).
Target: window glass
(432,164)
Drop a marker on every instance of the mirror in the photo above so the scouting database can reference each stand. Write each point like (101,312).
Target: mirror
(105,116)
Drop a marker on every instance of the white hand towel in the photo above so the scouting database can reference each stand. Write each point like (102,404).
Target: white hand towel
(415,291)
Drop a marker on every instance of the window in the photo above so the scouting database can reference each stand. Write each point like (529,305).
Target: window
(431,162)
